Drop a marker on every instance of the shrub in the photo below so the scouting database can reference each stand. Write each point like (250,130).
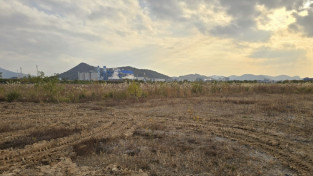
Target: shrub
(197,88)
(13,96)
(135,90)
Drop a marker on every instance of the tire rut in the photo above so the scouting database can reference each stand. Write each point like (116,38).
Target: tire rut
(30,156)
(270,143)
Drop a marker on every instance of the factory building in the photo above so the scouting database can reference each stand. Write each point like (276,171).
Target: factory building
(117,74)
(106,74)
(88,76)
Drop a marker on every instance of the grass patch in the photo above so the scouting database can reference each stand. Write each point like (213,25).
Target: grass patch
(12,96)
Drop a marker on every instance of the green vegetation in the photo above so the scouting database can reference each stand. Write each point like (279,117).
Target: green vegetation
(12,96)
(135,90)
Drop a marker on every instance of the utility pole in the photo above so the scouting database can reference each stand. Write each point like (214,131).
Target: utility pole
(37,70)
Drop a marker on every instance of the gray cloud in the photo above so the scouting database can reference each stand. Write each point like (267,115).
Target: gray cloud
(22,33)
(244,13)
(243,25)
(244,34)
(104,12)
(57,8)
(45,31)
(288,4)
(165,9)
(121,31)
(303,24)
(278,55)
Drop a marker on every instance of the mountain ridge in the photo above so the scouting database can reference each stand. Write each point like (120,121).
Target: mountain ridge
(72,74)
(6,74)
(252,77)
(244,77)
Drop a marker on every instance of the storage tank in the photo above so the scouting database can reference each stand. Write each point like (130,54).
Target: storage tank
(105,74)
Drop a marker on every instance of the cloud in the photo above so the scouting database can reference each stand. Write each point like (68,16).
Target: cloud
(288,4)
(281,56)
(201,15)
(303,23)
(62,33)
(244,14)
(166,9)
(42,31)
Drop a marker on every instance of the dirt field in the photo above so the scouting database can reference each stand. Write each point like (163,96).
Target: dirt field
(258,134)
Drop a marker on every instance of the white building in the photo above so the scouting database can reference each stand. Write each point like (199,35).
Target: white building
(88,76)
(158,80)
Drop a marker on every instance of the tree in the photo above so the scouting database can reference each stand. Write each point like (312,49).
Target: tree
(0,75)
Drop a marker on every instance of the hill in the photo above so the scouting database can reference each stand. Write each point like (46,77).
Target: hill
(251,77)
(6,74)
(83,67)
(145,72)
(190,77)
(72,74)
(197,77)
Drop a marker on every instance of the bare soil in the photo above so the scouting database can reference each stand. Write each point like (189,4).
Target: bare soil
(261,134)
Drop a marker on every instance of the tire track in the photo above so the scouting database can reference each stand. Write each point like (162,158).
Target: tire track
(26,156)
(54,150)
(270,143)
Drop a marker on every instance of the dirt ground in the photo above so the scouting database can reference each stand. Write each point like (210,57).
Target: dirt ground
(216,135)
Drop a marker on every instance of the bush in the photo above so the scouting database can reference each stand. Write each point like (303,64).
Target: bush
(135,90)
(197,88)
(13,96)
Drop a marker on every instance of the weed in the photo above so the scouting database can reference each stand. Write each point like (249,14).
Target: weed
(197,88)
(12,96)
(50,90)
(135,90)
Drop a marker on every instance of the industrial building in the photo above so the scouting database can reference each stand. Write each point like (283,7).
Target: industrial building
(88,76)
(106,74)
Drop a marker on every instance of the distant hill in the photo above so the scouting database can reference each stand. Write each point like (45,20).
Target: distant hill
(197,77)
(190,77)
(248,77)
(72,74)
(145,72)
(83,67)
(251,77)
(6,74)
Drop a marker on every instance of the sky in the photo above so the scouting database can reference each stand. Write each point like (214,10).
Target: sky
(173,37)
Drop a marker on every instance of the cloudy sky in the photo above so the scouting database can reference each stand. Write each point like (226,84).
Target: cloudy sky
(174,37)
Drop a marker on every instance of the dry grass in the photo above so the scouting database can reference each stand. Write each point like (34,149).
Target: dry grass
(175,129)
(57,92)
(37,136)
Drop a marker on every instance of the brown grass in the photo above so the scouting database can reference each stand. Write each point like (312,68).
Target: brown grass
(174,129)
(37,136)
(46,92)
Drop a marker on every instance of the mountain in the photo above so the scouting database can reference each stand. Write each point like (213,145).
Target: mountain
(8,74)
(145,72)
(190,77)
(285,77)
(72,74)
(251,77)
(248,77)
(197,77)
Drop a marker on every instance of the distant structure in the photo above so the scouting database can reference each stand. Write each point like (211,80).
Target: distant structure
(88,76)
(118,74)
(105,74)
